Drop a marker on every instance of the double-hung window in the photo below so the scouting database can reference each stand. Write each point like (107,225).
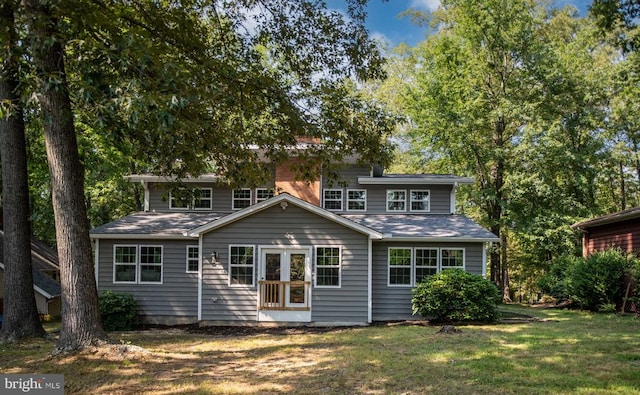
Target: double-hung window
(125,264)
(426,263)
(409,266)
(396,200)
(356,200)
(179,200)
(196,199)
(150,264)
(452,258)
(193,262)
(332,199)
(420,200)
(241,265)
(400,266)
(137,264)
(203,199)
(328,266)
(263,194)
(241,198)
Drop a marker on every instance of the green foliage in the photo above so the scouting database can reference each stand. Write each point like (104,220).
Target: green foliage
(118,311)
(596,282)
(554,281)
(456,295)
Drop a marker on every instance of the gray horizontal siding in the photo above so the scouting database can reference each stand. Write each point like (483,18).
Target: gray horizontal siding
(394,303)
(222,196)
(440,196)
(285,228)
(348,177)
(177,296)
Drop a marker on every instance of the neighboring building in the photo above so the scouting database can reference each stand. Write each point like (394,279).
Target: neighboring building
(287,252)
(46,277)
(621,230)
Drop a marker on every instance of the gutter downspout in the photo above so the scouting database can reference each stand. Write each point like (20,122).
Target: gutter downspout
(200,278)
(370,281)
(145,186)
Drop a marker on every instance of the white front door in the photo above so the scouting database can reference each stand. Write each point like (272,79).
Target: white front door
(285,285)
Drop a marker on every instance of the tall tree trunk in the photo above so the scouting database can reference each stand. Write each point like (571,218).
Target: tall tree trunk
(497,174)
(20,311)
(81,324)
(623,189)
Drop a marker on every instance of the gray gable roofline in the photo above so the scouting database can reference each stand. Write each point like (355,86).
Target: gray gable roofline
(36,288)
(283,199)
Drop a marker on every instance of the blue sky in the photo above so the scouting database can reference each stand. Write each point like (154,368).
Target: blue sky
(383,20)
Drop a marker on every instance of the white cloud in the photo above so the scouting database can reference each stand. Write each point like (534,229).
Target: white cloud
(428,5)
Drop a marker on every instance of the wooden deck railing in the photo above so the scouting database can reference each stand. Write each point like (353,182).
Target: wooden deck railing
(273,295)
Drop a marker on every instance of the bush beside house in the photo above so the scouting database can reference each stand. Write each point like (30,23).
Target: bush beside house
(595,283)
(119,311)
(456,295)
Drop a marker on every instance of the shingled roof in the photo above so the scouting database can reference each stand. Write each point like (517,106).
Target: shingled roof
(43,260)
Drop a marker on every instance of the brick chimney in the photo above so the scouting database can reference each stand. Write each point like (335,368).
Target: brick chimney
(285,181)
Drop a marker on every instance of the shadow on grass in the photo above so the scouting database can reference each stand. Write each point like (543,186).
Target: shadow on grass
(570,352)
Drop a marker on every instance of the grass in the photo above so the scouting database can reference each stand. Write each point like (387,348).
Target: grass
(567,352)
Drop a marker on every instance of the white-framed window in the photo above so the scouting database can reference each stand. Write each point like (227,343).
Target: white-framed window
(241,198)
(196,199)
(356,200)
(150,264)
(241,265)
(203,199)
(420,200)
(396,200)
(426,263)
(125,263)
(179,200)
(332,199)
(137,264)
(400,259)
(263,194)
(408,266)
(193,260)
(328,267)
(451,258)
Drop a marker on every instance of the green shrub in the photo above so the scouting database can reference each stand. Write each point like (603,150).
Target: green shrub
(455,295)
(119,311)
(595,283)
(554,281)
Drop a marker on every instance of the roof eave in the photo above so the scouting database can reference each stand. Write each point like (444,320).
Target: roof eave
(134,236)
(607,219)
(415,181)
(441,239)
(155,178)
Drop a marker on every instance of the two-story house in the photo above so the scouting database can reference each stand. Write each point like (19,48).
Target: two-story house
(345,253)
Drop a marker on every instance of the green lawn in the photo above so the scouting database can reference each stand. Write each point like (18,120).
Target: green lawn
(567,352)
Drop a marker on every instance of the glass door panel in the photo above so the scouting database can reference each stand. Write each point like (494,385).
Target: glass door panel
(273,270)
(296,277)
